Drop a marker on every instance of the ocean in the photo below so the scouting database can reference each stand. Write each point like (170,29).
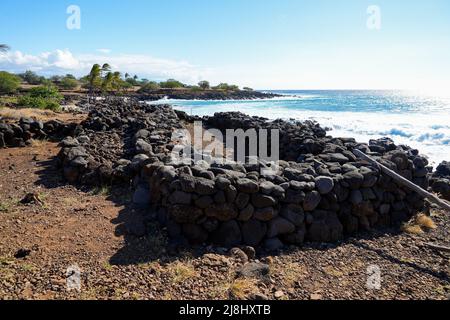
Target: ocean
(420,121)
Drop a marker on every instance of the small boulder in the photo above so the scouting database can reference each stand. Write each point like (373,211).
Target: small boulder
(324,184)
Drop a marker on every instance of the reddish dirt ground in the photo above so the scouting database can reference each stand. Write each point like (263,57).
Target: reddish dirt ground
(101,232)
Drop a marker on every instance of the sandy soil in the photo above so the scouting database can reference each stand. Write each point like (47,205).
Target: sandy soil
(13,114)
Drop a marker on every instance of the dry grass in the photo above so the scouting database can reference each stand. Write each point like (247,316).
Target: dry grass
(38,143)
(425,222)
(101,191)
(332,271)
(14,114)
(181,271)
(241,288)
(4,207)
(419,224)
(289,273)
(412,228)
(8,205)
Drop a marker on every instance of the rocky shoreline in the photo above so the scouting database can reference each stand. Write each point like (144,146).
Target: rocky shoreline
(203,95)
(319,192)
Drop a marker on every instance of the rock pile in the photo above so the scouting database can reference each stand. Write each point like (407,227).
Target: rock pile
(203,94)
(323,195)
(440,180)
(22,133)
(318,192)
(115,140)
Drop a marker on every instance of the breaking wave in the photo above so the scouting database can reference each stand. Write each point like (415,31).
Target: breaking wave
(364,115)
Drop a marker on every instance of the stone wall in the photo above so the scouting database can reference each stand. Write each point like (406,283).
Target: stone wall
(22,132)
(323,196)
(440,180)
(320,191)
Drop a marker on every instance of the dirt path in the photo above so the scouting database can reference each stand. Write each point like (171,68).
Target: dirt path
(103,234)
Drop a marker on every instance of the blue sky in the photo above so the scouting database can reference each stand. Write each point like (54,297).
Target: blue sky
(282,44)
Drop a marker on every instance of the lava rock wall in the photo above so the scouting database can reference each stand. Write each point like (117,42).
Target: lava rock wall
(22,132)
(324,195)
(318,192)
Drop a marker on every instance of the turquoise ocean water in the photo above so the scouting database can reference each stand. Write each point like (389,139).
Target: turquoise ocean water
(418,120)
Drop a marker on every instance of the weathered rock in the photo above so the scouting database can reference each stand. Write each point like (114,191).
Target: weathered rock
(294,213)
(194,233)
(261,201)
(279,226)
(141,196)
(242,200)
(311,201)
(254,270)
(354,179)
(228,234)
(326,227)
(246,213)
(222,212)
(204,202)
(356,197)
(222,183)
(220,197)
(273,244)
(247,185)
(324,184)
(180,197)
(297,237)
(143,147)
(253,232)
(185,213)
(265,214)
(204,186)
(267,187)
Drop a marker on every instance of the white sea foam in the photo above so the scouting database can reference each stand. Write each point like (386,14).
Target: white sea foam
(428,132)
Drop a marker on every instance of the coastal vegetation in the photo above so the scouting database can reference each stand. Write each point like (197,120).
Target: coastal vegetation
(9,83)
(103,80)
(42,97)
(32,90)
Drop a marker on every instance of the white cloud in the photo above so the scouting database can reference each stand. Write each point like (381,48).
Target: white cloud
(54,62)
(64,61)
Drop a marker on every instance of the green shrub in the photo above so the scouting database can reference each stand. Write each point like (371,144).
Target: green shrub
(227,87)
(149,86)
(32,78)
(204,85)
(39,103)
(68,83)
(44,97)
(195,89)
(172,84)
(9,83)
(49,92)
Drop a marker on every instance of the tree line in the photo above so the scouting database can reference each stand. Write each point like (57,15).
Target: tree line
(100,80)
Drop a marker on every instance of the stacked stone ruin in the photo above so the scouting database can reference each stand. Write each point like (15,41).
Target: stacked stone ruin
(320,193)
(21,133)
(440,180)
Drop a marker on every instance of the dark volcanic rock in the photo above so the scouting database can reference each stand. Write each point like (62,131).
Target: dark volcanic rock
(228,234)
(253,232)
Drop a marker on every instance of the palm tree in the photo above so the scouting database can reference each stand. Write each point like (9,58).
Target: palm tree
(105,69)
(94,77)
(117,80)
(107,82)
(4,48)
